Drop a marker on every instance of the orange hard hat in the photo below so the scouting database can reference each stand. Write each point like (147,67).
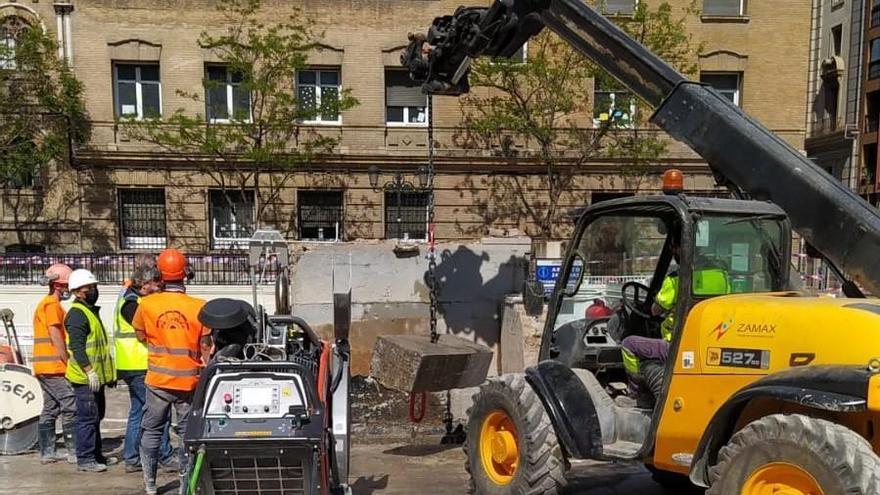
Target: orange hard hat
(172,265)
(58,273)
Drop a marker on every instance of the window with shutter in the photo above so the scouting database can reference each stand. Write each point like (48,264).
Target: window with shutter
(404,102)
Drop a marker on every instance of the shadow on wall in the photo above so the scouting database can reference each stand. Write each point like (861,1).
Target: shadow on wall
(470,304)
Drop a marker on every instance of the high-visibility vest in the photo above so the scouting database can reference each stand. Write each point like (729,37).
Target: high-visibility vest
(46,359)
(97,350)
(171,324)
(131,354)
(710,281)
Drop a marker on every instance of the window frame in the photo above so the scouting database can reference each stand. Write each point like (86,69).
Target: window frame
(8,63)
(635,4)
(633,107)
(139,96)
(740,76)
(319,119)
(387,209)
(230,99)
(148,242)
(875,13)
(741,12)
(340,225)
(405,122)
(873,64)
(220,243)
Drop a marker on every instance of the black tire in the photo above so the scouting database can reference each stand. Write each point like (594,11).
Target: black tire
(838,459)
(541,466)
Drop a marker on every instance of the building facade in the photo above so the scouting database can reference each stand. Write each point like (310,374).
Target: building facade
(869,185)
(835,89)
(120,195)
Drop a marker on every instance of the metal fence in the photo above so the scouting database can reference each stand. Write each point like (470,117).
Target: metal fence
(210,269)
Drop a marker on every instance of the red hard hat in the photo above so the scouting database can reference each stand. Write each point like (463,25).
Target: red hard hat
(172,265)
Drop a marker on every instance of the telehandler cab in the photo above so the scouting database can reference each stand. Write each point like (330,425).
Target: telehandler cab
(765,390)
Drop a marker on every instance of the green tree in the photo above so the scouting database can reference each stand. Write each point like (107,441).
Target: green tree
(546,111)
(42,120)
(260,145)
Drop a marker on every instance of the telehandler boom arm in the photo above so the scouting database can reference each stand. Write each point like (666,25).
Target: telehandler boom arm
(743,154)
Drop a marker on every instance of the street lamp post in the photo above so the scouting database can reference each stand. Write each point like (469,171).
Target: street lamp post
(398,185)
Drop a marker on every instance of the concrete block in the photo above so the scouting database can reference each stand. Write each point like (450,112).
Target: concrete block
(412,363)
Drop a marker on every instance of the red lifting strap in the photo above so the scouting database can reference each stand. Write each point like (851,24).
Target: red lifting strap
(422,407)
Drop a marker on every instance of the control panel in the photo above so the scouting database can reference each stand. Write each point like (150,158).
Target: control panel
(236,396)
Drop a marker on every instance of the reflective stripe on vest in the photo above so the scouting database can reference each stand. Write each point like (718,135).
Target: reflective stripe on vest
(131,354)
(46,360)
(97,350)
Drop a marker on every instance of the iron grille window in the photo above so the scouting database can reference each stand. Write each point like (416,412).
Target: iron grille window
(320,215)
(232,218)
(410,219)
(142,219)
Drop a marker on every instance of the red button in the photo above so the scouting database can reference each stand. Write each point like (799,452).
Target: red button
(227,397)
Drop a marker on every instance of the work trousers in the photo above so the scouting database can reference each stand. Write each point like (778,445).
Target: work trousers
(58,400)
(645,349)
(90,408)
(137,400)
(157,415)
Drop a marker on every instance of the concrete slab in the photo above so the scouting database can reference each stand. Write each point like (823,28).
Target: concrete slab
(414,363)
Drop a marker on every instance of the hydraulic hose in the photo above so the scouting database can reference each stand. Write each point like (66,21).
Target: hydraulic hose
(197,470)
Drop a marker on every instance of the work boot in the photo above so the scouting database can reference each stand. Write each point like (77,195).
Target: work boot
(149,465)
(169,465)
(46,440)
(68,431)
(92,467)
(132,468)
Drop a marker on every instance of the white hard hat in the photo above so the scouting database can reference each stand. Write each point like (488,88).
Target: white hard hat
(81,278)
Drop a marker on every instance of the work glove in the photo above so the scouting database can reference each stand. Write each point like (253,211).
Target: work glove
(94,381)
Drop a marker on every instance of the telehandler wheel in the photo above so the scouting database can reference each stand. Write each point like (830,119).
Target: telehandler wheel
(795,455)
(511,446)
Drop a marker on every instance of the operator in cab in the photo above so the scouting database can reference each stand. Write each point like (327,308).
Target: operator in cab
(167,322)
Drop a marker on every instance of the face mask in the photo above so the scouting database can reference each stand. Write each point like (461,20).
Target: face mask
(92,295)
(65,295)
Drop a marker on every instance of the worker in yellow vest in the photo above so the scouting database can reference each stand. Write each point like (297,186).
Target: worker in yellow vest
(89,369)
(50,365)
(131,364)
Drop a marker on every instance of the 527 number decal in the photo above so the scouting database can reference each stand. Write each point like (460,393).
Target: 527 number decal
(738,358)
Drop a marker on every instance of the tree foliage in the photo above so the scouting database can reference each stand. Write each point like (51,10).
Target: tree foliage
(42,113)
(546,111)
(262,143)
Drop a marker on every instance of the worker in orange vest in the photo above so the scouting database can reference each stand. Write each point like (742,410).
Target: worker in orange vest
(50,364)
(168,323)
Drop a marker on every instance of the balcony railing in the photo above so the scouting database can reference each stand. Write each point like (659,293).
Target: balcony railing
(217,269)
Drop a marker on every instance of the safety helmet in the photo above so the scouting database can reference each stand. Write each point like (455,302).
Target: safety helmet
(58,273)
(80,278)
(172,265)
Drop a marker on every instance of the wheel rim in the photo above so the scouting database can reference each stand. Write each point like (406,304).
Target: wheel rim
(499,451)
(781,478)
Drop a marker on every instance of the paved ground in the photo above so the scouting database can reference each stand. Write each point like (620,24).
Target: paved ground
(378,468)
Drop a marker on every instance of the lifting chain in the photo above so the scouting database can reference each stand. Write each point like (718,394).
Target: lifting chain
(432,247)
(454,435)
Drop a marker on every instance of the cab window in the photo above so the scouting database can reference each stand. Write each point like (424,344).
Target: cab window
(735,254)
